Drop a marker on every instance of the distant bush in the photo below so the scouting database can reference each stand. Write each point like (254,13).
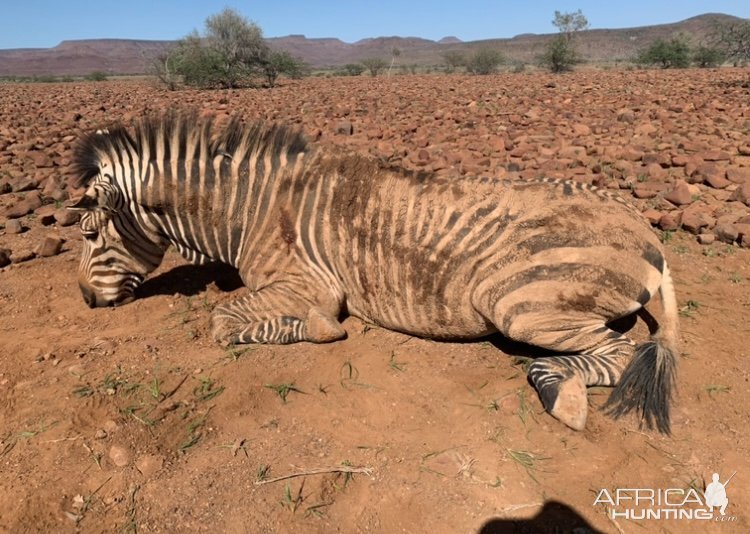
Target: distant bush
(374,65)
(668,54)
(484,61)
(353,69)
(282,62)
(230,53)
(96,76)
(708,57)
(560,53)
(453,59)
(733,39)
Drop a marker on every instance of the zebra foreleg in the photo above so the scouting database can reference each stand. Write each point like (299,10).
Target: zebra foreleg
(254,320)
(598,357)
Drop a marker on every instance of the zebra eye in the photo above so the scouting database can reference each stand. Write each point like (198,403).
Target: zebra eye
(91,235)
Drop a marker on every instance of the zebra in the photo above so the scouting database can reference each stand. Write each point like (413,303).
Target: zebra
(317,234)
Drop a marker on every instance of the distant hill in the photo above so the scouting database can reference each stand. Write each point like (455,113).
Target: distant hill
(129,56)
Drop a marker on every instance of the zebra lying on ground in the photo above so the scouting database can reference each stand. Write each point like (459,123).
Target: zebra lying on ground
(316,234)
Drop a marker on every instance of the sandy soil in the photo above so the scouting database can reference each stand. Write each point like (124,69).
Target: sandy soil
(132,419)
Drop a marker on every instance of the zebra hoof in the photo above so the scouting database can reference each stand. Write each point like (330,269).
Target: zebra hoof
(321,328)
(225,330)
(571,404)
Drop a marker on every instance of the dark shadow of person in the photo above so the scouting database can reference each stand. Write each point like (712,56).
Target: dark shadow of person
(189,280)
(554,518)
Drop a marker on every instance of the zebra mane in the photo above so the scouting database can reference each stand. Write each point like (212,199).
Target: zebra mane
(183,136)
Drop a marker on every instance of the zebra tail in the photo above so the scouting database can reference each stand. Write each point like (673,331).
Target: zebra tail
(647,383)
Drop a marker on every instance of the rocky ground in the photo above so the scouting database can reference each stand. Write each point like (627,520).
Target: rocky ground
(132,418)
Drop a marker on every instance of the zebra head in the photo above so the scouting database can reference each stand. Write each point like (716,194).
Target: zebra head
(117,253)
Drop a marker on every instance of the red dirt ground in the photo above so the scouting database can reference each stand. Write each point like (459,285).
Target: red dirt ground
(132,419)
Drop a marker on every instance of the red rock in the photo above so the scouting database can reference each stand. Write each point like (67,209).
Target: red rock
(40,159)
(726,232)
(680,195)
(742,193)
(645,129)
(23,183)
(670,221)
(716,180)
(695,218)
(653,216)
(13,226)
(706,239)
(648,189)
(738,175)
(22,255)
(659,158)
(65,217)
(655,171)
(625,115)
(680,160)
(31,202)
(744,150)
(581,130)
(744,234)
(51,246)
(344,128)
(46,214)
(715,155)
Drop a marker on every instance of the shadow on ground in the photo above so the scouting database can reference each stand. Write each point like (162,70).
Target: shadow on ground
(189,280)
(554,518)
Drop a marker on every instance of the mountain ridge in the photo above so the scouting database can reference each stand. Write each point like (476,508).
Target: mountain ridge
(134,56)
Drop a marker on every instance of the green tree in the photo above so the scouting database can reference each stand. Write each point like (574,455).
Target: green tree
(560,53)
(734,40)
(671,53)
(282,62)
(453,59)
(395,52)
(230,53)
(374,65)
(354,69)
(708,56)
(484,61)
(97,76)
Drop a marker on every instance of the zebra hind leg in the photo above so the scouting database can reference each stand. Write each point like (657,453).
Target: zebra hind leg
(597,357)
(254,320)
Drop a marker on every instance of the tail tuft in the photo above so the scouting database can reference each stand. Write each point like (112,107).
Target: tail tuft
(646,386)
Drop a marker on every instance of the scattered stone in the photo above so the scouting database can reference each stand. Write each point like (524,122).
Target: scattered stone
(5,255)
(726,232)
(46,214)
(581,130)
(119,455)
(13,226)
(101,434)
(344,128)
(24,207)
(706,239)
(40,159)
(23,183)
(742,193)
(716,180)
(680,195)
(51,246)
(149,464)
(653,216)
(65,217)
(20,256)
(715,155)
(671,220)
(738,175)
(696,217)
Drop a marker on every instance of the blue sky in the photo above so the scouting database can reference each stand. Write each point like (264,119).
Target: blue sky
(44,23)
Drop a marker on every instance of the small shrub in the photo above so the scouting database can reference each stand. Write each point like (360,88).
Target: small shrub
(484,61)
(354,69)
(708,57)
(97,76)
(668,54)
(374,65)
